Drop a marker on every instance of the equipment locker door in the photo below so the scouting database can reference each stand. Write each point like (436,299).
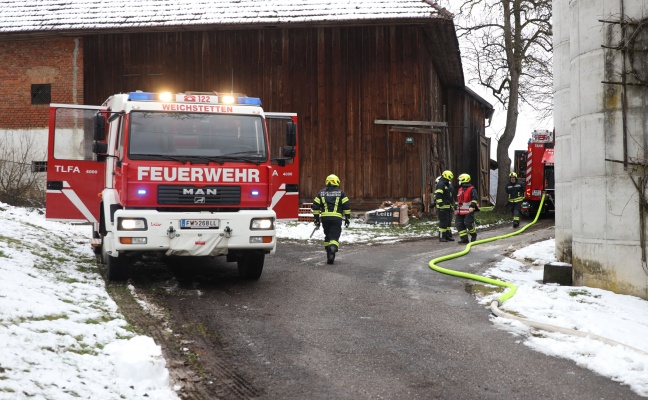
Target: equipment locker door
(74,178)
(284,181)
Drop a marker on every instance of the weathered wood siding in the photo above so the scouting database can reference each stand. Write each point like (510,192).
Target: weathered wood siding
(338,79)
(469,147)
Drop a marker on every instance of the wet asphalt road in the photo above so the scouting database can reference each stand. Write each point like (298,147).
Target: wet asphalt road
(378,324)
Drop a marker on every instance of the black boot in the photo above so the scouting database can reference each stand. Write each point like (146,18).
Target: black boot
(448,236)
(330,254)
(464,239)
(516,224)
(473,237)
(442,237)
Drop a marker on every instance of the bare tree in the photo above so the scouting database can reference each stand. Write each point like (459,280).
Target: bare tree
(20,185)
(507,48)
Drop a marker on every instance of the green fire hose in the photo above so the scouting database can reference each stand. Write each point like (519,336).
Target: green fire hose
(465,251)
(494,306)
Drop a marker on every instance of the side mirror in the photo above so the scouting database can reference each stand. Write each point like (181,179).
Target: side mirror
(291,134)
(100,148)
(288,151)
(99,127)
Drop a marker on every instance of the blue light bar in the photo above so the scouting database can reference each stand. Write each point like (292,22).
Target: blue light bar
(142,96)
(251,101)
(141,192)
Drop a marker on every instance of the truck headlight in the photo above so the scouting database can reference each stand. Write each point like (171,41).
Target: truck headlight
(131,224)
(262,223)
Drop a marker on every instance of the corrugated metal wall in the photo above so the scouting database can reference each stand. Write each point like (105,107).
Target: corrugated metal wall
(339,81)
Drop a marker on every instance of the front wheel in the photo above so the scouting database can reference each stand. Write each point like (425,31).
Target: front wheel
(250,265)
(116,267)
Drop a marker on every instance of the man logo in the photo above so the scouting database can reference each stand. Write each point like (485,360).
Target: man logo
(199,200)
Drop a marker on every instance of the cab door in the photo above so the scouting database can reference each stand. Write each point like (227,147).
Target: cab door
(75,179)
(284,174)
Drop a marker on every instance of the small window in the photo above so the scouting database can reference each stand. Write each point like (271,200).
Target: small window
(39,166)
(41,93)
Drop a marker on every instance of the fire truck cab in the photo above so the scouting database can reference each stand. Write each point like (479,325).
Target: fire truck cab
(174,175)
(536,166)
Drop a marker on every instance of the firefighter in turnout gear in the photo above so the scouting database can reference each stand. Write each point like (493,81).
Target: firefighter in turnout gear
(330,208)
(515,190)
(465,210)
(444,198)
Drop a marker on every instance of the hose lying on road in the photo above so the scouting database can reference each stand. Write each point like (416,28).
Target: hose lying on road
(494,306)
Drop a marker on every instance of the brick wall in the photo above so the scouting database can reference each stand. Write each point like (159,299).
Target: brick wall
(58,62)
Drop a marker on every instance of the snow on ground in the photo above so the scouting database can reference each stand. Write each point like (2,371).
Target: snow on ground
(63,337)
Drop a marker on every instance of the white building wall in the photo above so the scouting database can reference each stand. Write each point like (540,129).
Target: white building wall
(562,152)
(597,203)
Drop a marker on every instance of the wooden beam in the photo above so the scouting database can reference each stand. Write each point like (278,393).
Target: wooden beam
(407,129)
(409,123)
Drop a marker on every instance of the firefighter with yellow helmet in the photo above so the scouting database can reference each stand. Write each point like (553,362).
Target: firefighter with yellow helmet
(331,207)
(444,199)
(465,210)
(515,190)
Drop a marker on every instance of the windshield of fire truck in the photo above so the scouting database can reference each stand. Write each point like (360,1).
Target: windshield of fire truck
(199,135)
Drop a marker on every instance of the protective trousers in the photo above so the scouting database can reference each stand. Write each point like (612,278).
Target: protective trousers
(516,209)
(445,219)
(465,224)
(332,230)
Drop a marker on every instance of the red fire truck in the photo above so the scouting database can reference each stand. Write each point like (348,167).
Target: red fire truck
(536,166)
(174,175)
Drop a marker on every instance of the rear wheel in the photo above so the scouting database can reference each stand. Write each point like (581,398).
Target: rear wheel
(250,265)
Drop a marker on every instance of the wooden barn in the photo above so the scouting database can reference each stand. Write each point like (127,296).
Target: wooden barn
(378,86)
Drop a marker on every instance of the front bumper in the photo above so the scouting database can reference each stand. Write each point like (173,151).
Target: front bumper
(162,231)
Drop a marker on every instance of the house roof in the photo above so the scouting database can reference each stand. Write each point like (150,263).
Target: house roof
(61,16)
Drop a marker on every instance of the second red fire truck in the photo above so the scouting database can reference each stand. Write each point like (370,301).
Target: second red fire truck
(174,175)
(535,166)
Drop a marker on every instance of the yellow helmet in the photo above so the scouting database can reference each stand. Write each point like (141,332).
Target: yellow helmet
(447,174)
(464,178)
(512,175)
(332,180)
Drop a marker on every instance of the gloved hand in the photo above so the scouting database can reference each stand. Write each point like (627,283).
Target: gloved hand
(347,222)
(317,225)
(316,219)
(471,209)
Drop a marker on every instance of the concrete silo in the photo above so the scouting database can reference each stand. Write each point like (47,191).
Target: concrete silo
(601,154)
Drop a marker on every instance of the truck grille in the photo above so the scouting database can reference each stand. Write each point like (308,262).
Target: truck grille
(192,195)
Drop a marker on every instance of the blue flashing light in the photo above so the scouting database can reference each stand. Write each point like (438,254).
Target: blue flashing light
(254,193)
(142,96)
(251,101)
(141,192)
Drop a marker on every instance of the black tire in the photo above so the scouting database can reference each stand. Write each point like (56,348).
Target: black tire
(116,268)
(250,265)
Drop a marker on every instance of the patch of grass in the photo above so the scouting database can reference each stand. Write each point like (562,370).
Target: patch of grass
(52,317)
(2,254)
(92,321)
(10,240)
(485,290)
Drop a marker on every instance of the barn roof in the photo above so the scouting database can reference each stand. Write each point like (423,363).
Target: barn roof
(60,16)
(25,19)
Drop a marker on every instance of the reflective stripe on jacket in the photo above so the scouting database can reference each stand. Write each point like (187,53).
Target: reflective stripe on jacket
(515,191)
(444,194)
(332,202)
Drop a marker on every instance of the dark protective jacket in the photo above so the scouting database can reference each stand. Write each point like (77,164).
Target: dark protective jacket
(466,198)
(444,194)
(515,191)
(332,202)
